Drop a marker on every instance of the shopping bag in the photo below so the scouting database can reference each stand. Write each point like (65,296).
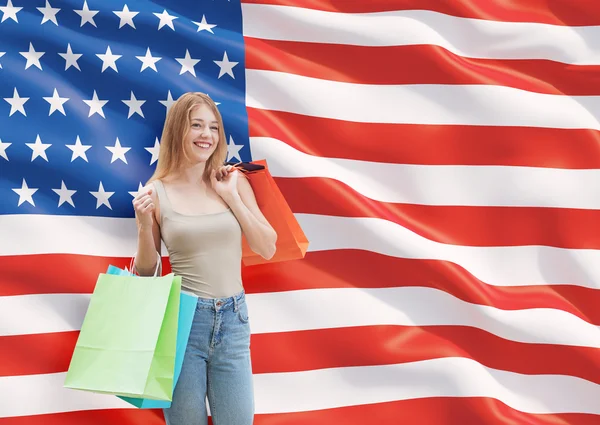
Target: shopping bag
(127,342)
(187,308)
(291,241)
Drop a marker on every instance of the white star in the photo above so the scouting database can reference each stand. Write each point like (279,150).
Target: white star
(126,17)
(96,105)
(148,61)
(134,194)
(187,63)
(154,151)
(109,60)
(226,66)
(17,103)
(169,102)
(118,152)
(86,14)
(233,150)
(165,19)
(38,148)
(135,106)
(49,13)
(203,26)
(64,194)
(33,57)
(56,103)
(3,147)
(25,194)
(70,58)
(9,11)
(1,54)
(79,150)
(102,197)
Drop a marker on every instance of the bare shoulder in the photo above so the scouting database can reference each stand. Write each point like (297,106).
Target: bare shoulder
(150,189)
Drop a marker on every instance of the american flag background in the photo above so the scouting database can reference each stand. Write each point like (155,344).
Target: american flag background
(442,157)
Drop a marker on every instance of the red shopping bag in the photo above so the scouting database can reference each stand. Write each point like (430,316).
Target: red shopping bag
(291,240)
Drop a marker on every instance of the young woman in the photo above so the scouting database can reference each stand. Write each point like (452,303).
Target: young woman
(200,209)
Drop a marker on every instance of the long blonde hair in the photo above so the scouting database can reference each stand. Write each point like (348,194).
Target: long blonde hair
(177,126)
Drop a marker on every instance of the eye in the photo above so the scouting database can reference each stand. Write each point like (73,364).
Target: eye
(196,125)
(214,128)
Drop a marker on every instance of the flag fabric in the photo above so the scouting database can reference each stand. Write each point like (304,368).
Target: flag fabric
(442,158)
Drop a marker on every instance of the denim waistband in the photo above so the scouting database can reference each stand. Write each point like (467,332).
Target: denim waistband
(223,303)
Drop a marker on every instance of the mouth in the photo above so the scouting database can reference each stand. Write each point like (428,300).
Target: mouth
(203,145)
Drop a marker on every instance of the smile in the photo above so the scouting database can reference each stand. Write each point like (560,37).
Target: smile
(203,145)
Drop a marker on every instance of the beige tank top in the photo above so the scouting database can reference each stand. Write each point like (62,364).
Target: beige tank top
(205,250)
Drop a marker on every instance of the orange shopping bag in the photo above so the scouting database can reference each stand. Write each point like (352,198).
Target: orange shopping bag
(291,240)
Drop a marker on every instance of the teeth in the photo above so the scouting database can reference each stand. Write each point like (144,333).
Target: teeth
(202,145)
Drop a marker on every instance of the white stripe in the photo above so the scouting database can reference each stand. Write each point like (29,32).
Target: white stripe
(439,184)
(419,104)
(42,313)
(466,37)
(500,266)
(340,387)
(53,234)
(334,308)
(41,394)
(444,377)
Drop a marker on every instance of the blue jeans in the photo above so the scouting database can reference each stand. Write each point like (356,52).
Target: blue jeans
(216,365)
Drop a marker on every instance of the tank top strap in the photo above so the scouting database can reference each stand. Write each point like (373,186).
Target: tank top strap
(165,205)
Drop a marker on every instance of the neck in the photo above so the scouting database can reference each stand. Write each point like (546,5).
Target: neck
(192,174)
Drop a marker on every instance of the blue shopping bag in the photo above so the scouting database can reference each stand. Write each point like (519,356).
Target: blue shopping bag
(187,308)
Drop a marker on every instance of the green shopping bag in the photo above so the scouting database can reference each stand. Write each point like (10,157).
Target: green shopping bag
(127,342)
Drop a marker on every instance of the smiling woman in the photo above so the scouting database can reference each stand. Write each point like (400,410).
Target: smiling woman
(192,120)
(201,210)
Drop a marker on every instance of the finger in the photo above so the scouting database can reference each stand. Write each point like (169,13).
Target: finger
(146,203)
(148,208)
(140,201)
(142,194)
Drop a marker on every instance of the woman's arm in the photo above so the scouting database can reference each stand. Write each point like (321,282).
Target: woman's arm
(148,243)
(258,231)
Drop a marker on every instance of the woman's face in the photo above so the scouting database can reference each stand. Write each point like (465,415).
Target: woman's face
(203,135)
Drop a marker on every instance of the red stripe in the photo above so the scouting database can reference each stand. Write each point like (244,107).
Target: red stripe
(556,12)
(37,353)
(437,144)
(427,411)
(323,269)
(455,225)
(428,65)
(92,417)
(56,273)
(345,347)
(381,345)
(346,269)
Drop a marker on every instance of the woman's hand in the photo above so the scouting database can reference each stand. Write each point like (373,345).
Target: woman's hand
(143,206)
(224,182)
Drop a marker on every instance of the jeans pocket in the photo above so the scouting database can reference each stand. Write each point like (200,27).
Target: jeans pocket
(242,313)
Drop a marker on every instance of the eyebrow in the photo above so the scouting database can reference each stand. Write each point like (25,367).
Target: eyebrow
(199,119)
